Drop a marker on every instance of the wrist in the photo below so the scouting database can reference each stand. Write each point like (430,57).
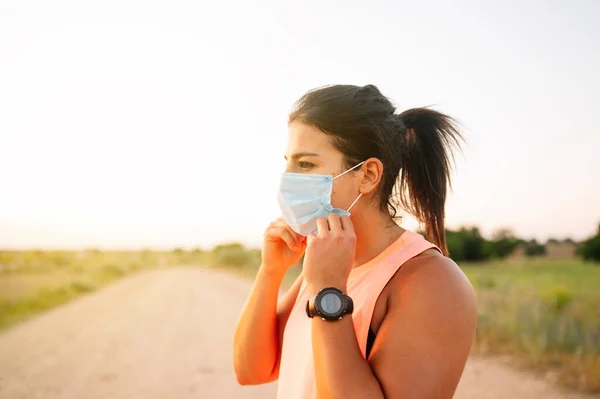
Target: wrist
(314,287)
(271,272)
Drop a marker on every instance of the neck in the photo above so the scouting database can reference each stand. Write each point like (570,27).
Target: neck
(375,231)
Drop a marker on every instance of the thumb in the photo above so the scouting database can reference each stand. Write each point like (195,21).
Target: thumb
(310,238)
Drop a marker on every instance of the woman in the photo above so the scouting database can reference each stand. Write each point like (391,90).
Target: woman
(379,311)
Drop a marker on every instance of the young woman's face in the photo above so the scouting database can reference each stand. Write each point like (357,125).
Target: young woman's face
(310,151)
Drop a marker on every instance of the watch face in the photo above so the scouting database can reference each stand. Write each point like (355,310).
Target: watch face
(331,303)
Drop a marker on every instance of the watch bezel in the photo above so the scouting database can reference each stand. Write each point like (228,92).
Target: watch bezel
(317,310)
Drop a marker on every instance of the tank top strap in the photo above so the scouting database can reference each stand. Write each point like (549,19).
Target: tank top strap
(366,286)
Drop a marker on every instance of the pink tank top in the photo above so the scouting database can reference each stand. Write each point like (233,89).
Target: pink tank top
(296,372)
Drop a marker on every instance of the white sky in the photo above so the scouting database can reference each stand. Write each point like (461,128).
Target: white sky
(163,123)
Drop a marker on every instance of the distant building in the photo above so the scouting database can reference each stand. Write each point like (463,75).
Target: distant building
(560,250)
(518,254)
(555,250)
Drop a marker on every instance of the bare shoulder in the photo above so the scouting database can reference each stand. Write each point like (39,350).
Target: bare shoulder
(425,337)
(432,289)
(433,278)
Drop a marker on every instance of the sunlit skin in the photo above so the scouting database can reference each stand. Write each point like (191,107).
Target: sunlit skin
(424,319)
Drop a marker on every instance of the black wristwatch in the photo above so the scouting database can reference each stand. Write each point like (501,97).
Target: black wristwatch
(330,304)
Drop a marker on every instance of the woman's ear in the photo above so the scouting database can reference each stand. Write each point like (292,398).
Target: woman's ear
(372,174)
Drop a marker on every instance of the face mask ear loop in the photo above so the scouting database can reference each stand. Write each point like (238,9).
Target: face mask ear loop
(351,169)
(355,201)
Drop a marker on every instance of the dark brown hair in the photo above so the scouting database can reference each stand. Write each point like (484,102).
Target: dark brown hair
(415,147)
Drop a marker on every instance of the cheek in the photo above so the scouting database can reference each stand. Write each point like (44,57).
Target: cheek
(341,196)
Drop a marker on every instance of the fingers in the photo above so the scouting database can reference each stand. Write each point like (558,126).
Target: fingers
(280,232)
(310,238)
(334,223)
(346,223)
(322,227)
(282,222)
(297,237)
(279,229)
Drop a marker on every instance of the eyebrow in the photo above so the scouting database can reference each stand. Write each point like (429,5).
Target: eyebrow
(302,154)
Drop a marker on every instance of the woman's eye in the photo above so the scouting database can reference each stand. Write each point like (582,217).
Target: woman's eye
(305,165)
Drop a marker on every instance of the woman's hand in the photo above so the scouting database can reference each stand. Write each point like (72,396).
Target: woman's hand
(330,254)
(282,247)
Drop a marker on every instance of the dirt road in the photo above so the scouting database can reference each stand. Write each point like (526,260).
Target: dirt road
(168,334)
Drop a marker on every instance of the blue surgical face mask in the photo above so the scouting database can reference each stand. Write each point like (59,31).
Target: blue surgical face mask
(303,198)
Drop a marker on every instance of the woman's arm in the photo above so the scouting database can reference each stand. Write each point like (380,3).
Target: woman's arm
(421,347)
(259,332)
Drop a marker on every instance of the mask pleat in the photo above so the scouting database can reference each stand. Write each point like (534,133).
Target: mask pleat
(303,198)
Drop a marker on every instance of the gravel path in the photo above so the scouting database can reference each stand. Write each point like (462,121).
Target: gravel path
(168,334)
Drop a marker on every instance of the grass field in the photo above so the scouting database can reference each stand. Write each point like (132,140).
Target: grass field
(33,281)
(546,314)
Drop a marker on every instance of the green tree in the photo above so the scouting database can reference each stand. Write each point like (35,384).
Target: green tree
(503,243)
(466,244)
(233,254)
(590,248)
(533,248)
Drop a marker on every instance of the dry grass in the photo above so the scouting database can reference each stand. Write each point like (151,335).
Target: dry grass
(545,313)
(34,281)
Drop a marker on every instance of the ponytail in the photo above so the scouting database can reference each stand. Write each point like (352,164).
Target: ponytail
(429,137)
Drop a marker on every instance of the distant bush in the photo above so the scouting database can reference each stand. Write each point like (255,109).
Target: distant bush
(590,248)
(466,244)
(533,248)
(58,258)
(234,254)
(146,254)
(111,271)
(558,299)
(80,287)
(93,252)
(503,243)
